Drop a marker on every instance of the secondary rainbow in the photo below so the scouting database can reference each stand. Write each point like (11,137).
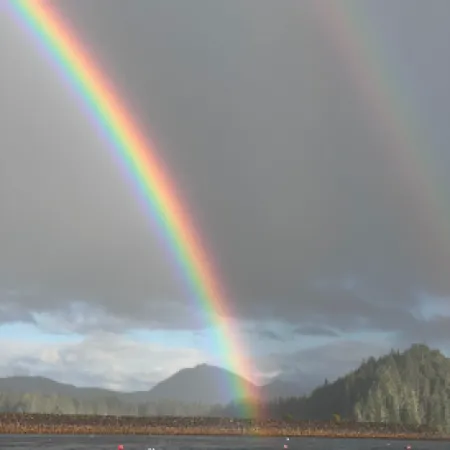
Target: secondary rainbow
(375,72)
(148,171)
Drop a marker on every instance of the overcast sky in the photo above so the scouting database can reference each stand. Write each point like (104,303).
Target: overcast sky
(333,242)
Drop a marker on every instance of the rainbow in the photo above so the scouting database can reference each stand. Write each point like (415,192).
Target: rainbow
(139,158)
(375,74)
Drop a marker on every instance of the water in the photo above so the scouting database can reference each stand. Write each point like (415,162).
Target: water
(25,442)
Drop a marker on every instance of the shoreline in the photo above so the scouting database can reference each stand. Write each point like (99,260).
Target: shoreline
(218,433)
(55,424)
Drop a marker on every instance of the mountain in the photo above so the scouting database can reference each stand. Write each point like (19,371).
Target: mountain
(412,387)
(203,384)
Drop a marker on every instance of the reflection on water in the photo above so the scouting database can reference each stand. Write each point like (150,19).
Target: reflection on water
(203,443)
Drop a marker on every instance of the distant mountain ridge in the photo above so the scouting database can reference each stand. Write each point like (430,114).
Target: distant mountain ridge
(199,390)
(46,386)
(203,384)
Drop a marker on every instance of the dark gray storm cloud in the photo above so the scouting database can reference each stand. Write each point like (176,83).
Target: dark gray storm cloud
(288,174)
(316,330)
(270,335)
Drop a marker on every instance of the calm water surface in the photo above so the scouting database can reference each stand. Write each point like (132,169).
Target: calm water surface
(203,443)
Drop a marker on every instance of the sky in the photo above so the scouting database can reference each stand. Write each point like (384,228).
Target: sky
(321,194)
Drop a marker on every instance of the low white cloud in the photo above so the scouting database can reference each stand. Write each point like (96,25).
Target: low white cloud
(102,359)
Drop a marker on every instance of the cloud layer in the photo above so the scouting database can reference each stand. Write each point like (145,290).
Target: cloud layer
(102,359)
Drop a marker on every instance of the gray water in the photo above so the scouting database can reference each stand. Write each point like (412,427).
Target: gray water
(25,442)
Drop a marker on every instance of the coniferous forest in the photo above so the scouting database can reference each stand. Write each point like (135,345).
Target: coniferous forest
(412,387)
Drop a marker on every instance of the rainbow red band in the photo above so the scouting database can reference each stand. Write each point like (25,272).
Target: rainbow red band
(142,164)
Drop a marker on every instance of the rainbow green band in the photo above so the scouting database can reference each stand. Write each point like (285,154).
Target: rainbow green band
(140,160)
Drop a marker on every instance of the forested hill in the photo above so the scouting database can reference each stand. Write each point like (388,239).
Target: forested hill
(410,387)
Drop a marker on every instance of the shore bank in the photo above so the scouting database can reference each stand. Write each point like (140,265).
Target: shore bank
(18,423)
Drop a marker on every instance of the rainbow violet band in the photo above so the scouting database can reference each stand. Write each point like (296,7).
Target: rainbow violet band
(59,43)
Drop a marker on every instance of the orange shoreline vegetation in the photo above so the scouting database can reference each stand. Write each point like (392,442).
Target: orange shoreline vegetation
(26,423)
